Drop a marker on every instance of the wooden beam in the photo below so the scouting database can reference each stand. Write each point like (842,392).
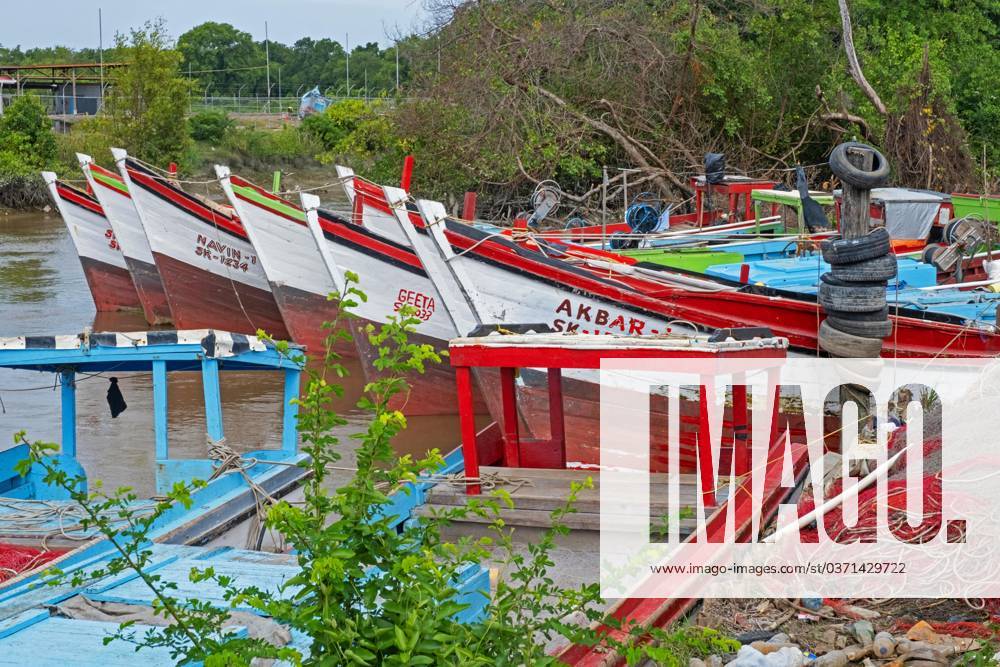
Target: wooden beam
(160,409)
(67,382)
(213,399)
(290,416)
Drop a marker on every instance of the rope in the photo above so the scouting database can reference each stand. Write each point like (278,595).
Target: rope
(227,460)
(30,516)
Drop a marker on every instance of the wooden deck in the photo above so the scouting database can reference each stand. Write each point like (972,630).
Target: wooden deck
(536,492)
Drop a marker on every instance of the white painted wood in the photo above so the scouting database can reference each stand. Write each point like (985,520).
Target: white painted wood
(179,235)
(121,215)
(90,232)
(286,248)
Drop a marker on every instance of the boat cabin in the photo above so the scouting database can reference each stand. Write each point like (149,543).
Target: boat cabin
(227,498)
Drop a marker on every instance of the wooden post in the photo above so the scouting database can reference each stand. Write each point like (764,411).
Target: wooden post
(469,206)
(557,422)
(467,419)
(855,215)
(742,462)
(290,416)
(213,398)
(511,437)
(160,410)
(706,471)
(67,381)
(404,182)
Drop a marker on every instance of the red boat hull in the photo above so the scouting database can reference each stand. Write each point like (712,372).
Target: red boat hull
(111,286)
(152,296)
(304,315)
(203,300)
(431,392)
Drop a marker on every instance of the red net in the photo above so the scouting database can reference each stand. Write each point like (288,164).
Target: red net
(15,559)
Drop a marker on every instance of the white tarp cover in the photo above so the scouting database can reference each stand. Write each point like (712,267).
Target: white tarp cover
(909,214)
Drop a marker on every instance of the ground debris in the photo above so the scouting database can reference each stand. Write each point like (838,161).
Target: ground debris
(894,632)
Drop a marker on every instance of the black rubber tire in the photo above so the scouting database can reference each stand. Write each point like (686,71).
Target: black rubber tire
(850,251)
(870,270)
(871,316)
(927,256)
(874,329)
(848,173)
(852,297)
(843,344)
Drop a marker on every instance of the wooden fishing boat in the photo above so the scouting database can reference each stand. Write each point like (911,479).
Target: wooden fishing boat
(210,270)
(115,200)
(48,624)
(100,255)
(391,276)
(39,522)
(577,289)
(294,268)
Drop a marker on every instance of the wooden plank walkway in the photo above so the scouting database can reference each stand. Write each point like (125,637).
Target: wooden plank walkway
(536,492)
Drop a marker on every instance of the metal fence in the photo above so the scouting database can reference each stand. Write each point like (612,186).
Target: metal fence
(66,104)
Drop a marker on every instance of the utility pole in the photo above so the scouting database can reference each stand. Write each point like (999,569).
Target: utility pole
(397,81)
(267,61)
(100,51)
(347,51)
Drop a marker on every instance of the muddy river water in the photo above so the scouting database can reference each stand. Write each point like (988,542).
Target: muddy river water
(43,292)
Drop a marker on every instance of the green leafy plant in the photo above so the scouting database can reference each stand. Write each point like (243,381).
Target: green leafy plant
(209,125)
(371,589)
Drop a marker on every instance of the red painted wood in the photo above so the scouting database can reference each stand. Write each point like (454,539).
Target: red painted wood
(508,397)
(548,454)
(404,181)
(562,357)
(557,422)
(469,206)
(741,436)
(467,420)
(705,465)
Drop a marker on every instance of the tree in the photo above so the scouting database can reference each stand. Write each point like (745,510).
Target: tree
(26,140)
(147,101)
(222,57)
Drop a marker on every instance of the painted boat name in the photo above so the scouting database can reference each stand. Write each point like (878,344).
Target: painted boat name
(224,254)
(423,304)
(603,320)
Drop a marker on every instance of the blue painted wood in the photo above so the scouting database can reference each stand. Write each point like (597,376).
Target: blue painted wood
(18,622)
(267,577)
(213,398)
(289,422)
(67,380)
(59,642)
(160,409)
(11,482)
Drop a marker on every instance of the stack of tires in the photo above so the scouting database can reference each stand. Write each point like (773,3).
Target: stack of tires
(853,295)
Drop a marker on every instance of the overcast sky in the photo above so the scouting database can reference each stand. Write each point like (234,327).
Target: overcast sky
(73,23)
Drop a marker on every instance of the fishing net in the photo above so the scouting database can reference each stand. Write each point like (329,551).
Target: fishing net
(15,559)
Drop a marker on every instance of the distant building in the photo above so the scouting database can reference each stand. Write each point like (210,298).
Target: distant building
(67,89)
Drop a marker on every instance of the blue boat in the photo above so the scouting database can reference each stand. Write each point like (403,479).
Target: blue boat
(914,289)
(66,623)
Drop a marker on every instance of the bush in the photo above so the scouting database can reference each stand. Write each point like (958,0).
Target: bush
(209,126)
(26,141)
(27,146)
(361,133)
(265,148)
